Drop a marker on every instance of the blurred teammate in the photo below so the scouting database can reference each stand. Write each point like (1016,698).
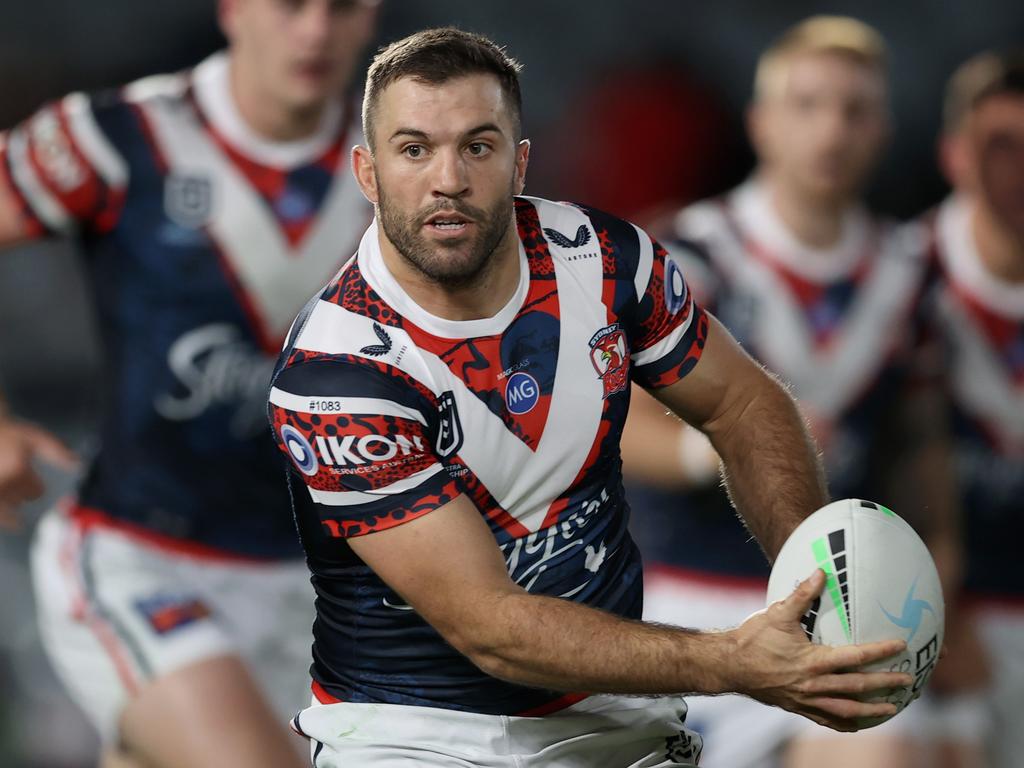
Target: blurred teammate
(823,294)
(978,313)
(172,598)
(451,406)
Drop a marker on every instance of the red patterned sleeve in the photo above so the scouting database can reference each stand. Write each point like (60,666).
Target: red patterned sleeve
(62,171)
(363,442)
(670,329)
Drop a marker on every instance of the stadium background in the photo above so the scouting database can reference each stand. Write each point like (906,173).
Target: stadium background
(630,106)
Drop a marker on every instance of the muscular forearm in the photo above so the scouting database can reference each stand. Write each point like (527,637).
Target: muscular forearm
(772,470)
(553,643)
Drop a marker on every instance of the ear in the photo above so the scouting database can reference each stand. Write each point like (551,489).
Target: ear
(363,170)
(954,160)
(227,10)
(754,119)
(522,160)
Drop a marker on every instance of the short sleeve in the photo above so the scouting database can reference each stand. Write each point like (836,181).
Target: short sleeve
(62,170)
(363,443)
(669,328)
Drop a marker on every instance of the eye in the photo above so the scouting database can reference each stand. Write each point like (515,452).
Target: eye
(414,151)
(478,149)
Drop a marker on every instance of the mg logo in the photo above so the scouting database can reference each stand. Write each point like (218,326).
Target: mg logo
(521,393)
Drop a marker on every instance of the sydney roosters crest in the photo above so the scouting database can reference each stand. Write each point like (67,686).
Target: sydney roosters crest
(610,356)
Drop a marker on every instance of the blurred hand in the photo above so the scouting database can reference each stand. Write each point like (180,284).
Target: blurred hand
(778,665)
(20,444)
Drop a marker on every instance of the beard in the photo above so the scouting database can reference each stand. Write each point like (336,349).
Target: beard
(456,262)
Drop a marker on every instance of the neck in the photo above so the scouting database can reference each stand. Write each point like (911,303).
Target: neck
(815,222)
(1000,250)
(484,297)
(267,117)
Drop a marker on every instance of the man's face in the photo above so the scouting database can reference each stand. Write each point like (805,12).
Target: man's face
(824,128)
(444,168)
(992,157)
(302,52)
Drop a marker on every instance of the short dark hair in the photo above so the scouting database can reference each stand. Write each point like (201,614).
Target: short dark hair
(435,56)
(984,75)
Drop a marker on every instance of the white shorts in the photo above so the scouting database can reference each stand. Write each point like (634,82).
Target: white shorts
(1002,631)
(598,732)
(738,732)
(117,611)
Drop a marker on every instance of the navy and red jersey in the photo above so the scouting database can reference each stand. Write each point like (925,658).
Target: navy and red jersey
(979,321)
(202,242)
(387,412)
(834,324)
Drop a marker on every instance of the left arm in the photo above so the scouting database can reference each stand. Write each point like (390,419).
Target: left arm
(772,470)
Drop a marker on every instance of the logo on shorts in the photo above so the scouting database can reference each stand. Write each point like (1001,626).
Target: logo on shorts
(521,393)
(299,450)
(684,748)
(166,613)
(610,356)
(449,436)
(188,200)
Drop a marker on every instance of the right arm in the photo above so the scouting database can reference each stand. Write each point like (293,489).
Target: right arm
(13,228)
(469,598)
(57,171)
(554,643)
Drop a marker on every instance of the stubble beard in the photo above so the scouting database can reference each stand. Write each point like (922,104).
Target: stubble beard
(462,263)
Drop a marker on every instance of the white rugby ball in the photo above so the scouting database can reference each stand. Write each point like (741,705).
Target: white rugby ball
(881,583)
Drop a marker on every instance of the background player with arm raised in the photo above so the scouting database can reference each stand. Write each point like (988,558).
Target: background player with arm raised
(824,295)
(172,598)
(452,403)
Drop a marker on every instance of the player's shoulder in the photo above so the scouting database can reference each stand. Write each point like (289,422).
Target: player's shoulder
(909,241)
(701,221)
(574,231)
(162,88)
(346,331)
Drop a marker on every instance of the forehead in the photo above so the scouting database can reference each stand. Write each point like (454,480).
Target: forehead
(1001,110)
(450,107)
(834,71)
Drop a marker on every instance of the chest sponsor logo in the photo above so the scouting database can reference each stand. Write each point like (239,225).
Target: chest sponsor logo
(529,557)
(521,393)
(449,435)
(610,356)
(299,450)
(188,200)
(213,365)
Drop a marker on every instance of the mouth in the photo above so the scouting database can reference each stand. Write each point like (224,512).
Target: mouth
(447,223)
(313,68)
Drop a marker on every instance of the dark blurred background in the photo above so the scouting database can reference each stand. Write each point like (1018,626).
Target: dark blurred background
(630,105)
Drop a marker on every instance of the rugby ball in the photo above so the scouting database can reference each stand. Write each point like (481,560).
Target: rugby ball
(880,583)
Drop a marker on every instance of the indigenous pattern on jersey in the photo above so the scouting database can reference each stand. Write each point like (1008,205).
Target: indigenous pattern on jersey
(980,322)
(387,413)
(832,323)
(203,241)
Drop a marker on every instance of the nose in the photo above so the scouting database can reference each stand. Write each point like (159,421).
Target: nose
(451,177)
(314,22)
